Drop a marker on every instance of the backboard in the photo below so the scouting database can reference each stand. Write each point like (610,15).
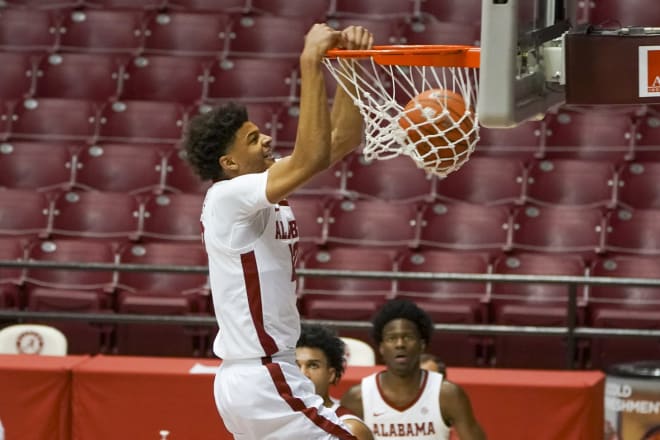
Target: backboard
(522,60)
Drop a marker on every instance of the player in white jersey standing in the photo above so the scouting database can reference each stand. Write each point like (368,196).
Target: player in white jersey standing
(405,401)
(250,235)
(320,356)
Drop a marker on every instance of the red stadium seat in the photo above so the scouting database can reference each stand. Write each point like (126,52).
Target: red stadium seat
(253,80)
(225,6)
(460,11)
(578,183)
(165,78)
(466,227)
(162,293)
(18,165)
(71,251)
(448,302)
(558,229)
(104,31)
(633,232)
(638,185)
(187,33)
(328,183)
(485,181)
(79,76)
(531,304)
(624,306)
(24,213)
(173,217)
(180,176)
(633,13)
(17,75)
(42,119)
(28,29)
(432,31)
(142,122)
(310,216)
(121,168)
(605,135)
(46,4)
(309,9)
(268,36)
(373,9)
(522,141)
(647,138)
(102,215)
(373,223)
(395,180)
(125,4)
(11,249)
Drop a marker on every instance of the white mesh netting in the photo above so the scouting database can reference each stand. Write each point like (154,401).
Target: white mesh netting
(437,141)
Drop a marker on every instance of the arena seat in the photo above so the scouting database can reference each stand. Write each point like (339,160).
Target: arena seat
(624,306)
(11,278)
(41,119)
(310,215)
(28,29)
(225,6)
(125,4)
(373,223)
(253,80)
(395,180)
(559,229)
(633,232)
(328,183)
(523,141)
(448,302)
(573,134)
(647,138)
(180,176)
(534,304)
(132,168)
(577,183)
(638,185)
(460,11)
(111,216)
(633,13)
(485,181)
(173,217)
(17,75)
(311,9)
(187,33)
(92,77)
(153,122)
(371,9)
(432,31)
(13,340)
(18,170)
(267,36)
(103,31)
(165,78)
(465,227)
(24,213)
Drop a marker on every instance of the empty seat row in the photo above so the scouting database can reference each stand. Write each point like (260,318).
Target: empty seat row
(474,302)
(131,168)
(112,216)
(195,34)
(459,11)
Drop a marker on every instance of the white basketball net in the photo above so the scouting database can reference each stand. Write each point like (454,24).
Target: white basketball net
(381,92)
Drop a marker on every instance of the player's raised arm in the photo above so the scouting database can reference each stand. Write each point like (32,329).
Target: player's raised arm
(345,117)
(311,153)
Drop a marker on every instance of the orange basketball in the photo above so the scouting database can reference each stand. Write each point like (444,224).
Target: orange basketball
(441,141)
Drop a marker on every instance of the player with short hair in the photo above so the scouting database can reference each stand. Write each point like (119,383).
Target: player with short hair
(320,354)
(251,238)
(405,401)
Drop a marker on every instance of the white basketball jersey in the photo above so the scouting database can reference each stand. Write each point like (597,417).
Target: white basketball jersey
(252,247)
(421,419)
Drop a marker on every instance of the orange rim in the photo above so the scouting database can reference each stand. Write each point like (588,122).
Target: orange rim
(415,55)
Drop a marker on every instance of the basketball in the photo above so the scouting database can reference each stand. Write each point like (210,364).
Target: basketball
(433,122)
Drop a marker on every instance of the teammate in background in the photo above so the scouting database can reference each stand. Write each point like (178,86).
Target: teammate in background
(320,356)
(430,362)
(405,401)
(251,238)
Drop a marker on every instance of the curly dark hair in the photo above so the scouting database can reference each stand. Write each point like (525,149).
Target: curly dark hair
(326,340)
(401,309)
(208,137)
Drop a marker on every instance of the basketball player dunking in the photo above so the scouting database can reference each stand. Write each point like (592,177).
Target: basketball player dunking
(405,401)
(250,236)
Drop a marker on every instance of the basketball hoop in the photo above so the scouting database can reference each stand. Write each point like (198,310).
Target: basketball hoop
(387,84)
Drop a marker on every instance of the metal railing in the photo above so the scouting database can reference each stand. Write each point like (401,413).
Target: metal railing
(571,331)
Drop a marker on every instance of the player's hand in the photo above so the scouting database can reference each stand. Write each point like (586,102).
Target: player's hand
(356,37)
(319,39)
